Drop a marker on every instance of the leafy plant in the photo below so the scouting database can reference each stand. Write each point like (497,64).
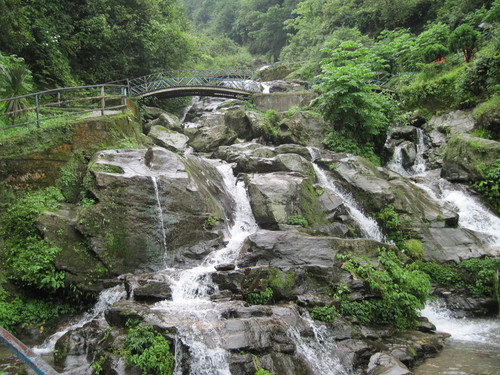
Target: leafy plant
(210,223)
(149,350)
(324,313)
(262,298)
(403,290)
(489,188)
(465,38)
(28,258)
(298,220)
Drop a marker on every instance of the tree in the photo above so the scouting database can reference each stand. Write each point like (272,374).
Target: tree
(347,93)
(465,38)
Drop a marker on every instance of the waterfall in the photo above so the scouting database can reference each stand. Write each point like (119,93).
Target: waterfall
(472,213)
(159,215)
(106,299)
(318,350)
(419,165)
(368,226)
(198,319)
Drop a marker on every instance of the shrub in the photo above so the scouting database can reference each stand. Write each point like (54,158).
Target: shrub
(28,259)
(298,220)
(149,350)
(489,188)
(404,291)
(262,298)
(324,313)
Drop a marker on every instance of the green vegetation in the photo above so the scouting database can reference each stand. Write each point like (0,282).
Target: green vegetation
(403,290)
(389,220)
(298,220)
(489,188)
(324,313)
(149,350)
(265,297)
(476,276)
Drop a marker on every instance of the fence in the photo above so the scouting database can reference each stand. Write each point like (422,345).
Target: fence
(57,103)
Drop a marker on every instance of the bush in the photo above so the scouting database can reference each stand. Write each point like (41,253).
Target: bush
(149,350)
(489,188)
(337,141)
(404,291)
(324,313)
(28,259)
(262,298)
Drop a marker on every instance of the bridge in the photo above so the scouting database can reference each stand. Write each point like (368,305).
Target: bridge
(71,101)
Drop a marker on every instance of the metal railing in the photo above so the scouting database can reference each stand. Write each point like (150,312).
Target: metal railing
(62,102)
(70,101)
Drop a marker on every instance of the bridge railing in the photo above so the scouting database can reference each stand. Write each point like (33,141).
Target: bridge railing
(62,102)
(237,80)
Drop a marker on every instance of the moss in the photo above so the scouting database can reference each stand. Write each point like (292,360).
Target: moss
(310,208)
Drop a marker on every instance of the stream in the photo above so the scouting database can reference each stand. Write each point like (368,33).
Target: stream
(474,345)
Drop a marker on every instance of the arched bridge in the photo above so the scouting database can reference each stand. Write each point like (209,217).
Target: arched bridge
(194,83)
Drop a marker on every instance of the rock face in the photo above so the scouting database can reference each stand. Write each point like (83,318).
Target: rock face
(152,208)
(466,158)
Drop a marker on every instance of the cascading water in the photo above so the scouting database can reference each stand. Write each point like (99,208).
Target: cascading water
(159,214)
(198,319)
(106,299)
(368,226)
(318,349)
(473,348)
(419,165)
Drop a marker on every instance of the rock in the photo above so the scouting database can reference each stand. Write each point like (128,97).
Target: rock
(274,72)
(384,364)
(376,187)
(154,198)
(225,267)
(276,197)
(489,120)
(209,131)
(466,158)
(405,133)
(424,325)
(169,139)
(153,291)
(455,122)
(285,249)
(167,120)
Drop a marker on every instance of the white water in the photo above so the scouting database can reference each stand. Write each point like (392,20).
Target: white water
(106,299)
(368,226)
(198,319)
(318,350)
(159,215)
(473,348)
(473,214)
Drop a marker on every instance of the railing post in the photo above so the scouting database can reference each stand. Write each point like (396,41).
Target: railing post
(37,105)
(103,101)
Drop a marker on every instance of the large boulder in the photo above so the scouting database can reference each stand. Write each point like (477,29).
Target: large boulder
(169,139)
(282,249)
(467,158)
(152,206)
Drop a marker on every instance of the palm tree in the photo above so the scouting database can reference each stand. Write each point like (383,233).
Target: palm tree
(14,80)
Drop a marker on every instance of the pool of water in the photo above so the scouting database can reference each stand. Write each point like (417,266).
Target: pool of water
(472,349)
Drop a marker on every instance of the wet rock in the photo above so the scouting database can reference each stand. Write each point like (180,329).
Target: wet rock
(225,267)
(167,120)
(424,325)
(208,132)
(384,364)
(169,139)
(153,291)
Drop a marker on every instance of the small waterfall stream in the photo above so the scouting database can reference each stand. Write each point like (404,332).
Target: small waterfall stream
(198,319)
(106,299)
(368,226)
(159,213)
(474,345)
